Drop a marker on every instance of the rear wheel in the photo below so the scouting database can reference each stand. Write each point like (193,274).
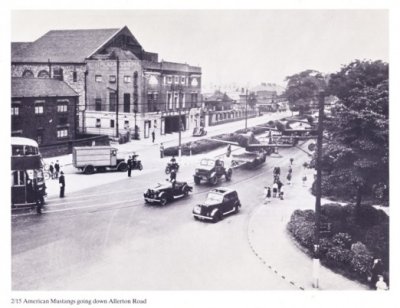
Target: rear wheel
(89,169)
(163,201)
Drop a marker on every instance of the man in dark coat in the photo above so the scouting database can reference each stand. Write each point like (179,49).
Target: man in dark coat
(61,181)
(129,162)
(57,168)
(51,170)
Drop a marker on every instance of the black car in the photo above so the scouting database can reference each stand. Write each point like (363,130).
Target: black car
(220,202)
(166,192)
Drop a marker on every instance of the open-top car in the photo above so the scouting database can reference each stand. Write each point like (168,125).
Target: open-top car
(211,170)
(166,192)
(220,202)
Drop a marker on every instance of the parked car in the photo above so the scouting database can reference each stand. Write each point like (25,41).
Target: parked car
(166,192)
(199,131)
(211,170)
(220,202)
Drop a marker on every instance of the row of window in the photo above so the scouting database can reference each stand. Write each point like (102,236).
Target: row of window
(58,74)
(112,123)
(62,107)
(113,78)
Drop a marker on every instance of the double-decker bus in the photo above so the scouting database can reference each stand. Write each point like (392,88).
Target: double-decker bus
(27,181)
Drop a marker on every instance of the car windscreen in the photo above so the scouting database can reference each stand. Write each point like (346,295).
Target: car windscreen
(213,198)
(207,162)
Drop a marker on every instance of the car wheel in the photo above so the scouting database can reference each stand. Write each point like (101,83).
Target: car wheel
(185,191)
(196,180)
(217,217)
(213,180)
(237,209)
(163,201)
(123,167)
(140,167)
(196,218)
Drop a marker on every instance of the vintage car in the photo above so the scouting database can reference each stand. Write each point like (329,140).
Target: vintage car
(211,170)
(199,131)
(167,192)
(220,202)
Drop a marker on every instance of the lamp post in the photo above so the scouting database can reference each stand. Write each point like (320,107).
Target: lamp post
(316,261)
(173,89)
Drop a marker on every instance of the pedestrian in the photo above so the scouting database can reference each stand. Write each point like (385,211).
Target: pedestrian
(289,179)
(381,284)
(57,169)
(281,193)
(161,150)
(376,271)
(129,163)
(290,169)
(228,151)
(153,135)
(291,161)
(39,199)
(304,179)
(172,175)
(267,194)
(274,190)
(61,181)
(51,170)
(280,184)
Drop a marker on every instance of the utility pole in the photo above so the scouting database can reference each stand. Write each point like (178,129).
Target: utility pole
(245,120)
(316,261)
(117,97)
(180,121)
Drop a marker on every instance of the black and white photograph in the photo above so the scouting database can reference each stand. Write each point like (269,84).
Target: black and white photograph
(180,149)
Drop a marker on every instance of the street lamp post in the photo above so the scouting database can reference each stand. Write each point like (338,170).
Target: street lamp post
(316,261)
(180,122)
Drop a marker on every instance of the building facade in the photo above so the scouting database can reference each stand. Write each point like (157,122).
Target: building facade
(122,88)
(44,110)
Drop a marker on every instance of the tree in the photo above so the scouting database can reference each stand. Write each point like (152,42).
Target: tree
(356,156)
(302,89)
(252,100)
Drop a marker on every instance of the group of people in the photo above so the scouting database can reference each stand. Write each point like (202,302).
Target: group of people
(277,190)
(56,173)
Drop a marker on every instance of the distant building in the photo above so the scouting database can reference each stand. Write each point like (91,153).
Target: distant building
(43,110)
(269,97)
(115,78)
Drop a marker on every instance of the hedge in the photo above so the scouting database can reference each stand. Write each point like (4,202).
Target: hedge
(353,242)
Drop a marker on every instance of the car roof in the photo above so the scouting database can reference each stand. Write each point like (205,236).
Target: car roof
(222,190)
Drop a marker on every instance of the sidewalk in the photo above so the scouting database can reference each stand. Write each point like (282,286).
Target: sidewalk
(278,251)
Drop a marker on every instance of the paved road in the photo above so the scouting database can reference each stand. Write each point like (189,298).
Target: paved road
(105,237)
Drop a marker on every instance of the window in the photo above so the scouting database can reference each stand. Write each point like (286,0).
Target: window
(58,74)
(98,123)
(127,102)
(112,123)
(183,79)
(169,79)
(176,79)
(18,178)
(27,74)
(15,110)
(39,109)
(135,78)
(98,104)
(176,101)
(112,78)
(74,76)
(43,74)
(62,133)
(126,124)
(113,101)
(98,78)
(127,79)
(63,107)
(183,100)
(169,100)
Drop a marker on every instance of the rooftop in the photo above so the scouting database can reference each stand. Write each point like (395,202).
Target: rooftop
(40,87)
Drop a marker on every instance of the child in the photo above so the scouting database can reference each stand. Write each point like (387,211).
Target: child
(281,193)
(267,193)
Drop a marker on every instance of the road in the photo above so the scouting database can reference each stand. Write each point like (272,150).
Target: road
(106,238)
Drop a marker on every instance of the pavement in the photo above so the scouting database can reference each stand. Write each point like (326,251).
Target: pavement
(277,250)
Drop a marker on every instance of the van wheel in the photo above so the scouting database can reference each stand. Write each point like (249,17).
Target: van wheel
(89,169)
(122,167)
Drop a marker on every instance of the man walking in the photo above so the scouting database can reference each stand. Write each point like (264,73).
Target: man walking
(153,135)
(129,163)
(51,170)
(161,150)
(57,168)
(61,181)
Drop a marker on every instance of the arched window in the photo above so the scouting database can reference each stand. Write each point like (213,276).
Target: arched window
(27,74)
(43,74)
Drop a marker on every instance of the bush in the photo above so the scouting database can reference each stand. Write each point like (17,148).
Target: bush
(377,240)
(339,257)
(362,259)
(301,226)
(342,240)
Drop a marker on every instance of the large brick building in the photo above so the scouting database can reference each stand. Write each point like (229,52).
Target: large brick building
(120,85)
(43,110)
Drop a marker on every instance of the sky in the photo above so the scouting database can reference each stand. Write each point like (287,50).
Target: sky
(245,47)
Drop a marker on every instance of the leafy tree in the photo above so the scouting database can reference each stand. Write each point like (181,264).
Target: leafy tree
(356,156)
(302,89)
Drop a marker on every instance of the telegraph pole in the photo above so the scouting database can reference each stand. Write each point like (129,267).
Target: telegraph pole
(117,107)
(180,121)
(316,261)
